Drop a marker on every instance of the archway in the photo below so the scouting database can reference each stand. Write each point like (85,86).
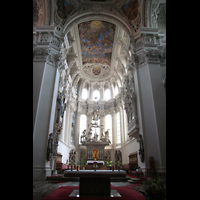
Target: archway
(88,17)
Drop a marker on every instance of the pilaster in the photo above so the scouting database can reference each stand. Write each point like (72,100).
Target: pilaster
(148,53)
(114,128)
(122,125)
(45,86)
(67,123)
(70,127)
(77,129)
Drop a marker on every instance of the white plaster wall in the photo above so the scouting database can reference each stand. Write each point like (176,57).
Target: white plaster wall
(127,149)
(64,149)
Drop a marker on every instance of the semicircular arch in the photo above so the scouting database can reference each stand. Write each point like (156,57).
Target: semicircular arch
(91,16)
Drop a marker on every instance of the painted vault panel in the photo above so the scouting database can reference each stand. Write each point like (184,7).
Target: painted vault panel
(96,39)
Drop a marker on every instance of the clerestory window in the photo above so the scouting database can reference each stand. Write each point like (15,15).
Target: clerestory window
(96,95)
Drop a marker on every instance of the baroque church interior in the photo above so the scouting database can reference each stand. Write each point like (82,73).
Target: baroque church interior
(99,86)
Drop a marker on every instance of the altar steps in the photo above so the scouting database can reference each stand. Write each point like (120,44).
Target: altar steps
(119,179)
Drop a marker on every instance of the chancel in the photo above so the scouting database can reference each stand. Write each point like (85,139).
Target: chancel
(99,90)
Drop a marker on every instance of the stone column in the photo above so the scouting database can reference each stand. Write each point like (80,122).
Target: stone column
(102,92)
(122,125)
(77,130)
(61,137)
(91,92)
(67,123)
(45,87)
(114,128)
(125,127)
(148,55)
(102,122)
(69,127)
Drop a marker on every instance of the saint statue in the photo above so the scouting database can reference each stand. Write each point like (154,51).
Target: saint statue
(96,115)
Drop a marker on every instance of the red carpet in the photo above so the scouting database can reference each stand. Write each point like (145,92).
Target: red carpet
(63,192)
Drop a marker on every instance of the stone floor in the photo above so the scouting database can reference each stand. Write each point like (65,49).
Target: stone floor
(42,188)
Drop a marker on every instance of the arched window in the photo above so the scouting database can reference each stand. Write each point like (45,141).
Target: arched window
(108,125)
(75,90)
(84,94)
(116,90)
(96,95)
(118,129)
(107,94)
(83,125)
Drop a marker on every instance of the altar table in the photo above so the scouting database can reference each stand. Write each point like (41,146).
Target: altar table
(94,183)
(92,161)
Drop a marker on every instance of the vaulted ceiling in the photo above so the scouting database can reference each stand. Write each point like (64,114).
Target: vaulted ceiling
(99,47)
(100,50)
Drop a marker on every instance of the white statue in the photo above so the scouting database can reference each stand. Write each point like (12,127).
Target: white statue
(90,133)
(95,136)
(83,136)
(107,134)
(154,20)
(96,116)
(102,134)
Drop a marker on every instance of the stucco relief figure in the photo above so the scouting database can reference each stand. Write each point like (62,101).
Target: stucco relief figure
(90,133)
(107,156)
(141,149)
(118,156)
(102,134)
(50,146)
(83,136)
(154,20)
(83,155)
(107,136)
(61,106)
(72,156)
(95,137)
(96,115)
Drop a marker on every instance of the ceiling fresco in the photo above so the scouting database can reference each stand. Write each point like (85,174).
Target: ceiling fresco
(130,9)
(96,38)
(64,8)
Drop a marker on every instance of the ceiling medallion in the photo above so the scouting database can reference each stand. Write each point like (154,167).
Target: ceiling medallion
(96,70)
(96,24)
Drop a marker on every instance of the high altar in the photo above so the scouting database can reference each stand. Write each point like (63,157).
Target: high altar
(95,147)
